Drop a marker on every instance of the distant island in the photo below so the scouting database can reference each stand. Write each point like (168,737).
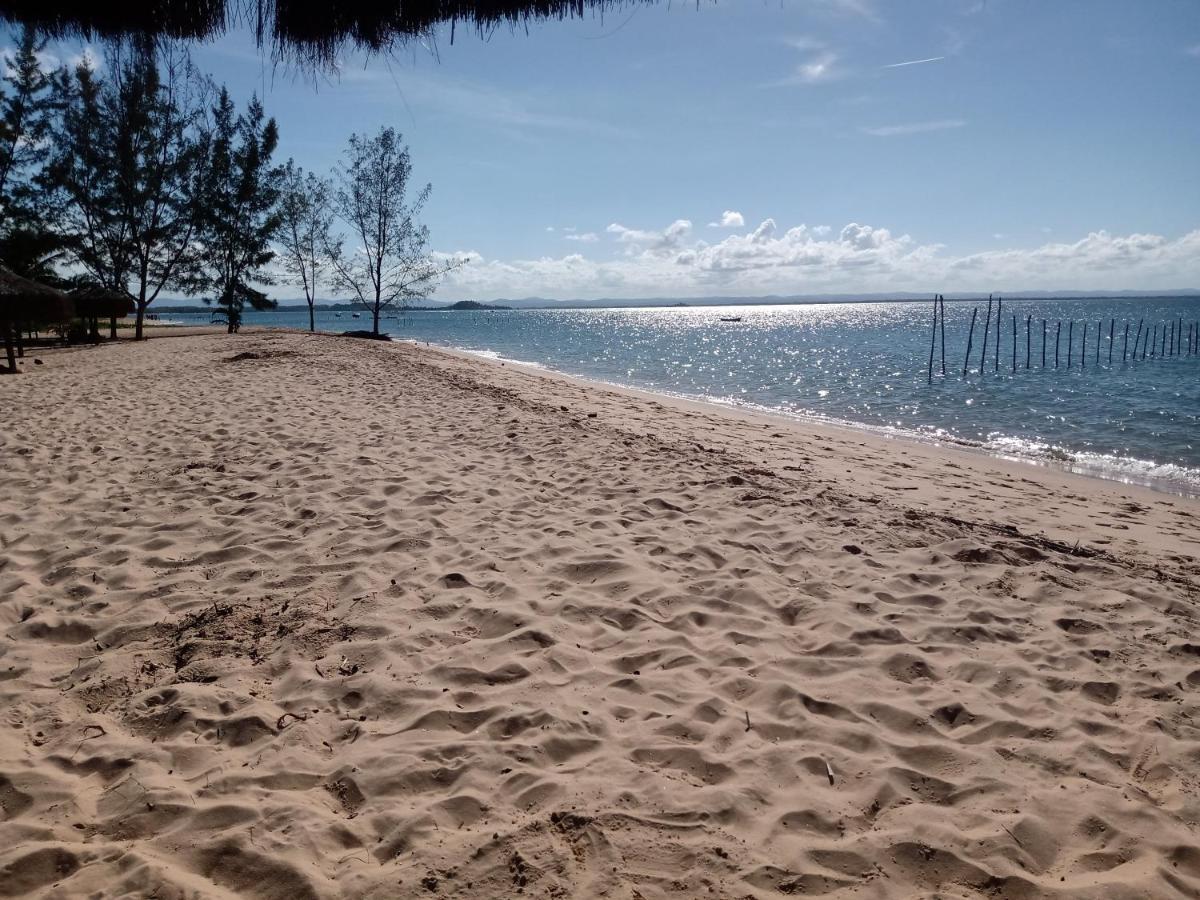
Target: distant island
(466,304)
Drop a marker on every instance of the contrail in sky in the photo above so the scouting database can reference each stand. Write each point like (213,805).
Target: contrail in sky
(914,62)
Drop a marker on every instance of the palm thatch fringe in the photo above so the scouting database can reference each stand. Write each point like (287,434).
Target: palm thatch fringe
(301,29)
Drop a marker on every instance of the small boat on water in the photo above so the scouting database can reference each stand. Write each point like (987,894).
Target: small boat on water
(355,315)
(731,318)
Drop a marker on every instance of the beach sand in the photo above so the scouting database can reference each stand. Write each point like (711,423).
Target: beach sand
(300,616)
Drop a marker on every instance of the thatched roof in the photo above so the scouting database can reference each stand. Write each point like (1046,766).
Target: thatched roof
(101,302)
(22,300)
(300,28)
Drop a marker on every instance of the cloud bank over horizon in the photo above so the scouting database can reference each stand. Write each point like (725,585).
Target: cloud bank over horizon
(857,258)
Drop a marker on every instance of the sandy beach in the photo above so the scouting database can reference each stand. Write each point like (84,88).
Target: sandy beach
(292,616)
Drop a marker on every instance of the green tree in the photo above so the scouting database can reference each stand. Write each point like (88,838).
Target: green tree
(390,263)
(129,160)
(304,234)
(28,243)
(241,207)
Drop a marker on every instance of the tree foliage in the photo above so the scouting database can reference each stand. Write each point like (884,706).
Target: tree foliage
(241,207)
(28,243)
(128,161)
(305,232)
(390,263)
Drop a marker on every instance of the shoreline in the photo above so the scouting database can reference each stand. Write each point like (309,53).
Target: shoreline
(1103,467)
(290,615)
(1161,485)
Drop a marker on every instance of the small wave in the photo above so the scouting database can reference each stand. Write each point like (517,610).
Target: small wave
(1166,477)
(491,355)
(1126,469)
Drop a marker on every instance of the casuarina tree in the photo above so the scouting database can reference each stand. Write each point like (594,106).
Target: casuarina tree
(28,244)
(241,208)
(128,161)
(388,263)
(304,235)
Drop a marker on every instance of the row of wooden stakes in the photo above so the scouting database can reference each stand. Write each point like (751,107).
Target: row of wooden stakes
(1172,341)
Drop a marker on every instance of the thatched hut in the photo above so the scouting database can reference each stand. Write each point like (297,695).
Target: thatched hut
(93,303)
(300,29)
(24,302)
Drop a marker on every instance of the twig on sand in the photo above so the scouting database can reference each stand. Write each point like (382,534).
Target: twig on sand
(1013,836)
(279,725)
(100,732)
(747,720)
(828,771)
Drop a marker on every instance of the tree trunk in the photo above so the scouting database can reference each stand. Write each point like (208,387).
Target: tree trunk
(112,328)
(141,315)
(9,349)
(312,321)
(375,317)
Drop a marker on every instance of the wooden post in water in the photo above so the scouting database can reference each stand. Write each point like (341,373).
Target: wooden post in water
(1070,341)
(1028,321)
(1172,348)
(1043,343)
(1057,335)
(1137,340)
(1083,347)
(1099,328)
(1162,350)
(970,337)
(986,327)
(933,337)
(1112,324)
(1014,342)
(999,319)
(1124,349)
(942,307)
(1145,341)
(1154,341)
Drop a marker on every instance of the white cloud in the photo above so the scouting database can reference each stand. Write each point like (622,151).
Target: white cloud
(862,8)
(914,127)
(804,43)
(822,67)
(858,258)
(652,242)
(729,219)
(589,237)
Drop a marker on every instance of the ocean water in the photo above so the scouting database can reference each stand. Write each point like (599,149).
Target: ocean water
(866,365)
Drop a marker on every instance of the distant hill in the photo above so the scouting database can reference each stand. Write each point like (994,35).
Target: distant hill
(290,305)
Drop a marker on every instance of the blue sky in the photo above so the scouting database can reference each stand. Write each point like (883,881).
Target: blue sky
(799,146)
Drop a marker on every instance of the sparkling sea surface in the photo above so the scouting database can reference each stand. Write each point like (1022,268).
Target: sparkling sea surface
(866,365)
